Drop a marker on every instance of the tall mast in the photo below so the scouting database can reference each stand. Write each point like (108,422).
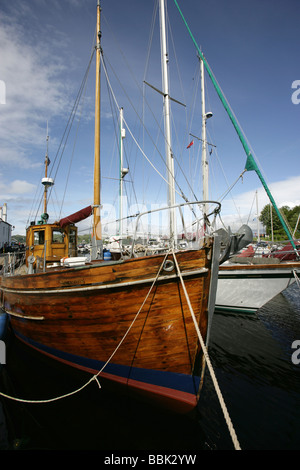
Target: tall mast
(204,143)
(97,224)
(250,162)
(46,182)
(46,173)
(169,156)
(257,217)
(271,215)
(123,172)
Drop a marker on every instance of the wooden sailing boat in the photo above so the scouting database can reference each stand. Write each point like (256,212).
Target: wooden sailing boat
(127,321)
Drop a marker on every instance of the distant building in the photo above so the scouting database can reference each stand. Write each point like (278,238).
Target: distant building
(5,229)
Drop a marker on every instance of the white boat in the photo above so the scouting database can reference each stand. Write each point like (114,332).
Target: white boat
(246,288)
(248,281)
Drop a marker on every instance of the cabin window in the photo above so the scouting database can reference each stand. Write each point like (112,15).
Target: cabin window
(39,237)
(72,237)
(57,236)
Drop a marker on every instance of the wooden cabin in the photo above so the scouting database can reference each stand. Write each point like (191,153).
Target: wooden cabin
(49,243)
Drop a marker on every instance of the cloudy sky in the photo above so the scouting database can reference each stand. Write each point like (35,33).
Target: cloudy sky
(252,48)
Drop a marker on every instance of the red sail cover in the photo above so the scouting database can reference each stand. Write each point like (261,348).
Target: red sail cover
(76,217)
(287,253)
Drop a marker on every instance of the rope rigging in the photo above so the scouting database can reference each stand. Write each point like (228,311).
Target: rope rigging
(180,192)
(66,134)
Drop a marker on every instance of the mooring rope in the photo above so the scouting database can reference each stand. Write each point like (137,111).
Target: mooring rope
(296,277)
(95,376)
(204,349)
(210,367)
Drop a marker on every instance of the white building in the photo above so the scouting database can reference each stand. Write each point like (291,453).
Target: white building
(5,228)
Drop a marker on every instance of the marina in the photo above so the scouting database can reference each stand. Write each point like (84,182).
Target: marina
(142,321)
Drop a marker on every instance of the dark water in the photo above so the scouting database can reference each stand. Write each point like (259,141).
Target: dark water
(252,359)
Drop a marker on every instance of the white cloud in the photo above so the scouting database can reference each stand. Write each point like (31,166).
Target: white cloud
(243,210)
(16,187)
(34,92)
(17,157)
(284,192)
(21,187)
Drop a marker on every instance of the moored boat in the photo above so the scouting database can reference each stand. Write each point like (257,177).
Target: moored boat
(245,288)
(131,321)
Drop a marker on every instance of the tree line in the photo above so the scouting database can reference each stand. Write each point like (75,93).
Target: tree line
(269,219)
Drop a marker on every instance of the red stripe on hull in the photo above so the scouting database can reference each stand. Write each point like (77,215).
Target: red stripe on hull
(175,400)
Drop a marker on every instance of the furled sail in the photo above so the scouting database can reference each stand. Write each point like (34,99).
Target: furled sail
(76,217)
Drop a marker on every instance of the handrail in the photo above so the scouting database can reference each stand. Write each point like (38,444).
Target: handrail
(141,214)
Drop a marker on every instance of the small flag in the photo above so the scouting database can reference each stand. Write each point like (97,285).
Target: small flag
(190,144)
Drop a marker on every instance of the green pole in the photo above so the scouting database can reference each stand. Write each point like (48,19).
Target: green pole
(250,163)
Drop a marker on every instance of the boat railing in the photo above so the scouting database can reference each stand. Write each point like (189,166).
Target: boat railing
(201,221)
(279,251)
(10,261)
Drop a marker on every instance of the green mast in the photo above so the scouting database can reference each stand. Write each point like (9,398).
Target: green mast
(250,163)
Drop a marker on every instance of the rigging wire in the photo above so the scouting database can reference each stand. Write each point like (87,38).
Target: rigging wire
(129,130)
(35,198)
(115,113)
(75,140)
(248,143)
(181,194)
(229,187)
(67,131)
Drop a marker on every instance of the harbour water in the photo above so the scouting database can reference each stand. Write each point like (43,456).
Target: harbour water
(252,356)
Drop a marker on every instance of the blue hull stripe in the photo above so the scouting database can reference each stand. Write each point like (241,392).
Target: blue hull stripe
(181,382)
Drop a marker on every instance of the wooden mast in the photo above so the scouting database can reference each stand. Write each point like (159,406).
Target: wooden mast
(46,174)
(46,182)
(97,223)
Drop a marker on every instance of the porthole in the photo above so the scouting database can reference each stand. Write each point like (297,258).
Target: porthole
(168,265)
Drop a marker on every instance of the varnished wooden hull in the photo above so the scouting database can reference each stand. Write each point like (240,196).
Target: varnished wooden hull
(79,316)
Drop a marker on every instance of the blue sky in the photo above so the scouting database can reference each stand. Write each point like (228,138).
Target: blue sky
(252,48)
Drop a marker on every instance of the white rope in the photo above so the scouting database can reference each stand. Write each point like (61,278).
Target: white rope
(210,367)
(94,377)
(296,277)
(204,349)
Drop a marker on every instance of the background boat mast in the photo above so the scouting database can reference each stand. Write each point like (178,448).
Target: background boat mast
(205,116)
(169,156)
